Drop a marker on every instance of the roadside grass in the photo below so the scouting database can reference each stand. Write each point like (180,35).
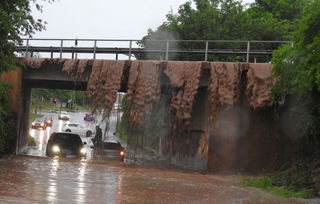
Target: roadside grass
(267,183)
(48,106)
(122,135)
(31,141)
(34,116)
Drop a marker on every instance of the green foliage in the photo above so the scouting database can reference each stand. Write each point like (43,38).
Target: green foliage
(281,9)
(7,120)
(62,95)
(31,142)
(269,184)
(297,71)
(16,21)
(297,68)
(225,20)
(41,99)
(33,117)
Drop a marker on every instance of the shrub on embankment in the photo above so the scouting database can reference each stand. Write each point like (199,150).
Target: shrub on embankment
(7,121)
(297,72)
(301,179)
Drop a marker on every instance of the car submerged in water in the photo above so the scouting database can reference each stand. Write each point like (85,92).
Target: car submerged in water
(110,150)
(39,123)
(64,116)
(65,144)
(88,117)
(48,122)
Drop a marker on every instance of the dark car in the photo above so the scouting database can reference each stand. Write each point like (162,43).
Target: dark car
(65,144)
(88,117)
(109,150)
(39,123)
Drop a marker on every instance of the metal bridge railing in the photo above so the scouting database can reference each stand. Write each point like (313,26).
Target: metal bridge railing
(166,47)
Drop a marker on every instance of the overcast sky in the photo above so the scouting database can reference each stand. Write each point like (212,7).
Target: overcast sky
(114,19)
(102,19)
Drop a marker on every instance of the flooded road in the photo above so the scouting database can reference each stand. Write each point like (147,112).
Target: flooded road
(41,137)
(30,179)
(27,179)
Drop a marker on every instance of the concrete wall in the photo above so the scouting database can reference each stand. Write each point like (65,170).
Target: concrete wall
(242,139)
(16,101)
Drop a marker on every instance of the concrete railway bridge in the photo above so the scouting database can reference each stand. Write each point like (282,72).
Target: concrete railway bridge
(51,76)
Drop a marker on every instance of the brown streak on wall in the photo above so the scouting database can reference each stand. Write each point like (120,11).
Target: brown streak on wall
(14,78)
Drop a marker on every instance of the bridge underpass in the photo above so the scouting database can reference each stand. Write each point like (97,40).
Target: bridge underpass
(239,136)
(52,76)
(233,140)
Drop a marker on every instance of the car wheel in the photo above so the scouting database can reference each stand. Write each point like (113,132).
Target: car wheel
(88,133)
(68,130)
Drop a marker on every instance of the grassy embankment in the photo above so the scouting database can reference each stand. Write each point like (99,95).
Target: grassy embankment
(48,106)
(298,185)
(34,116)
(31,141)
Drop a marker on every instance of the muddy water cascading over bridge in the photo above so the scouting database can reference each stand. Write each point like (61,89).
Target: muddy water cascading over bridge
(197,115)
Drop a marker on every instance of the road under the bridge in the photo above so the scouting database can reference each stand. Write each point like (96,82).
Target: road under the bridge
(246,135)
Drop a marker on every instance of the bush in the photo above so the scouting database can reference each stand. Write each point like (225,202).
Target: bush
(281,186)
(7,121)
(31,142)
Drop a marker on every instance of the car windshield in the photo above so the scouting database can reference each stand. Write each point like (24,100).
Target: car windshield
(39,120)
(66,140)
(111,145)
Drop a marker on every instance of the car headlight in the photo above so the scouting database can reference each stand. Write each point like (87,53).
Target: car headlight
(121,153)
(42,123)
(56,149)
(83,150)
(33,123)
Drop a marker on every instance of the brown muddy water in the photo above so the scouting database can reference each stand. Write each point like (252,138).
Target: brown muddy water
(27,179)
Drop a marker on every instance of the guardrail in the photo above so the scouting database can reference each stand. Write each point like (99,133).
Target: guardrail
(166,47)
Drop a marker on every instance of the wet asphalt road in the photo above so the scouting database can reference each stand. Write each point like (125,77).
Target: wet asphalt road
(29,179)
(42,136)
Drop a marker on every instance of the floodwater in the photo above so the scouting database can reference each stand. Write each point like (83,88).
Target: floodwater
(38,179)
(26,179)
(41,137)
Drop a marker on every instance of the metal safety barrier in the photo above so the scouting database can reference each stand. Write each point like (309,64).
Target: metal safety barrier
(163,47)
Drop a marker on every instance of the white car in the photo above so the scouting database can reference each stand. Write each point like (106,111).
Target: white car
(64,116)
(78,129)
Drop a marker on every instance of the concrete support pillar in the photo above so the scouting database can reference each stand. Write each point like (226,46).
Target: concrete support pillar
(23,131)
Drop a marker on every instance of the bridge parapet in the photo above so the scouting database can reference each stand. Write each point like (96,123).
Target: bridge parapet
(162,48)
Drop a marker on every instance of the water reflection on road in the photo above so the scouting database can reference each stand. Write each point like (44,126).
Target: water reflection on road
(27,179)
(55,180)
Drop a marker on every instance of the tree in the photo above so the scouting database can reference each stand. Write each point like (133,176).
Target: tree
(297,70)
(7,120)
(16,21)
(281,9)
(225,20)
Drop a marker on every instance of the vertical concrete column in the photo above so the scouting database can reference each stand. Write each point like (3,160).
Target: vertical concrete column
(23,129)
